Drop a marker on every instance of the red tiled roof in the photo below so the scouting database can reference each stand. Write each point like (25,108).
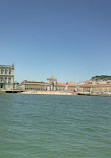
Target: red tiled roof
(62,84)
(71,84)
(87,84)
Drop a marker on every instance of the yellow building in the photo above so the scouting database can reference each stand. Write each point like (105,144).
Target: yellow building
(32,85)
(97,88)
(50,85)
(66,87)
(101,87)
(84,88)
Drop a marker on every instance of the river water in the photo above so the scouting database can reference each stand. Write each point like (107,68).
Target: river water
(50,126)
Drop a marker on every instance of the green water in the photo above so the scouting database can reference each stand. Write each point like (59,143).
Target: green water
(47,126)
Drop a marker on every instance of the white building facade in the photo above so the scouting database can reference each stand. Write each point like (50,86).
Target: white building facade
(6,77)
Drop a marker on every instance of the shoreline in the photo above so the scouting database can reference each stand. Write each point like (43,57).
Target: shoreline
(58,93)
(48,92)
(66,93)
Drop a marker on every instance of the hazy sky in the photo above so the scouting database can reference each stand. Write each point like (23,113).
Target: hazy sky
(70,39)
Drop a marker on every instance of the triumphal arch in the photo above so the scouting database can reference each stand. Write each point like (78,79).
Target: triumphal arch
(52,84)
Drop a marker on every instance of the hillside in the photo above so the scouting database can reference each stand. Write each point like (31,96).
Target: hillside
(102,77)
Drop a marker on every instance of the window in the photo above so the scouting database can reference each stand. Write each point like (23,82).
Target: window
(2,71)
(1,86)
(5,71)
(5,79)
(9,71)
(9,80)
(1,79)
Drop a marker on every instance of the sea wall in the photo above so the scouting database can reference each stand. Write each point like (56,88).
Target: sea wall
(49,92)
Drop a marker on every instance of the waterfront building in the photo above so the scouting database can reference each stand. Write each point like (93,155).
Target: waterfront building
(61,86)
(6,77)
(32,85)
(50,85)
(84,88)
(66,87)
(101,88)
(94,88)
(71,87)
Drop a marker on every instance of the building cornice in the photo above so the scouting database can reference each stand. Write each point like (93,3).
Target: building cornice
(6,75)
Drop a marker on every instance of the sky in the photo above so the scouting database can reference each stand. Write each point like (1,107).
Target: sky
(69,39)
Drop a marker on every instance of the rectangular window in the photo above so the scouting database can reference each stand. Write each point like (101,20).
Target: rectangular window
(5,71)
(5,79)
(1,86)
(9,80)
(2,71)
(9,71)
(1,79)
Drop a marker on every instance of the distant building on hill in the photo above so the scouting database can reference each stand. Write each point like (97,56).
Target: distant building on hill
(6,77)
